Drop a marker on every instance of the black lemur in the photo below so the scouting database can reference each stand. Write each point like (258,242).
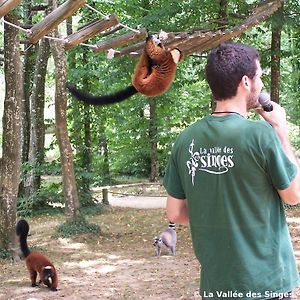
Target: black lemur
(35,261)
(153,75)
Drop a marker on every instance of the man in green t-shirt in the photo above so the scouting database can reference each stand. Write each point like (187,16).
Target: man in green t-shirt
(228,178)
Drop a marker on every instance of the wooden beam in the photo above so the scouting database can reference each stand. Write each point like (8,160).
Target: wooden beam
(260,14)
(90,30)
(133,48)
(136,50)
(39,7)
(7,5)
(121,40)
(52,20)
(113,30)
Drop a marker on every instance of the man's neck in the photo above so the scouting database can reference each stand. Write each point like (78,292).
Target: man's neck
(232,105)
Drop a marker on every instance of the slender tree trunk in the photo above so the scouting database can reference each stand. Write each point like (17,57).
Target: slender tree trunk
(82,136)
(37,125)
(223,4)
(103,146)
(69,182)
(28,71)
(11,145)
(223,10)
(277,23)
(153,141)
(86,154)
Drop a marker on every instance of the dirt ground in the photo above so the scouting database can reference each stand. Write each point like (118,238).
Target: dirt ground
(118,264)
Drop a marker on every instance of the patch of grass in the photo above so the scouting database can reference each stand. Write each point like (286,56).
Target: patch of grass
(96,209)
(79,226)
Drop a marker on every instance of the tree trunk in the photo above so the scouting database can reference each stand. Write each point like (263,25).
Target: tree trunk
(86,153)
(69,182)
(11,145)
(28,71)
(37,125)
(223,10)
(103,146)
(153,141)
(223,4)
(82,135)
(277,23)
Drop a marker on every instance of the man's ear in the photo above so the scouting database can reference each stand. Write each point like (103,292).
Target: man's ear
(246,82)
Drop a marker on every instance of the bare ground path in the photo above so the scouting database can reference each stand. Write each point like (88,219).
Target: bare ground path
(118,264)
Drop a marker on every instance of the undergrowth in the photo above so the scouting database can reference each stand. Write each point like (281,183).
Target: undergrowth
(78,226)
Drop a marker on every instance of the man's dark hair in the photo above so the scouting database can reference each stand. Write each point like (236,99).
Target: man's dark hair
(226,65)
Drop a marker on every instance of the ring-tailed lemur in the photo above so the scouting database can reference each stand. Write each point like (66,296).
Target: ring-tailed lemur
(168,238)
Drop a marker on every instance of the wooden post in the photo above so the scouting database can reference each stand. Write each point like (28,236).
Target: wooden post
(121,40)
(105,196)
(52,20)
(7,5)
(89,30)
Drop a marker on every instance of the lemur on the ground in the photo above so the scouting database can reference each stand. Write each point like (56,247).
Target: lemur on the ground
(35,261)
(167,238)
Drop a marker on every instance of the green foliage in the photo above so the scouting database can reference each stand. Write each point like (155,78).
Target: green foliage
(4,254)
(78,226)
(49,198)
(96,209)
(125,126)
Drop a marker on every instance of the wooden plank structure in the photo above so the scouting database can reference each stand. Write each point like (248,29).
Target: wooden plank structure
(7,5)
(198,40)
(52,20)
(121,40)
(188,42)
(200,44)
(89,30)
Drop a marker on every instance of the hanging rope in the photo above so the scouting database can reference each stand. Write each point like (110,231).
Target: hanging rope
(110,52)
(27,31)
(105,16)
(95,10)
(15,26)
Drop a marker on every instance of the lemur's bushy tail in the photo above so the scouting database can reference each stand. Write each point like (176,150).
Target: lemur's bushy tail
(22,230)
(102,100)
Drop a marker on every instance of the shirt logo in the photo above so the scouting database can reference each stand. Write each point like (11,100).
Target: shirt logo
(216,160)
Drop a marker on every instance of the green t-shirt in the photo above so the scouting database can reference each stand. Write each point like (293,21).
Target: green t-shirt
(228,168)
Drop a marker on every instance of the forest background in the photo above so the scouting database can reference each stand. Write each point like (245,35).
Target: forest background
(130,141)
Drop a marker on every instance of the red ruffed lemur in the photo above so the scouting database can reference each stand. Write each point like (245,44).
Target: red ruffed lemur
(35,261)
(153,75)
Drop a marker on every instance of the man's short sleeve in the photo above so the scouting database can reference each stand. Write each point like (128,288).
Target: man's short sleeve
(280,169)
(172,181)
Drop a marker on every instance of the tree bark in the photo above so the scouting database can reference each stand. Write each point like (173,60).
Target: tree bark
(153,141)
(11,145)
(28,73)
(37,125)
(103,146)
(68,174)
(277,23)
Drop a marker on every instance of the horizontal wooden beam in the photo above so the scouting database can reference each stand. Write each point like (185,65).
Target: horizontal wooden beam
(131,49)
(261,13)
(121,40)
(89,30)
(111,31)
(52,20)
(136,49)
(38,7)
(7,5)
